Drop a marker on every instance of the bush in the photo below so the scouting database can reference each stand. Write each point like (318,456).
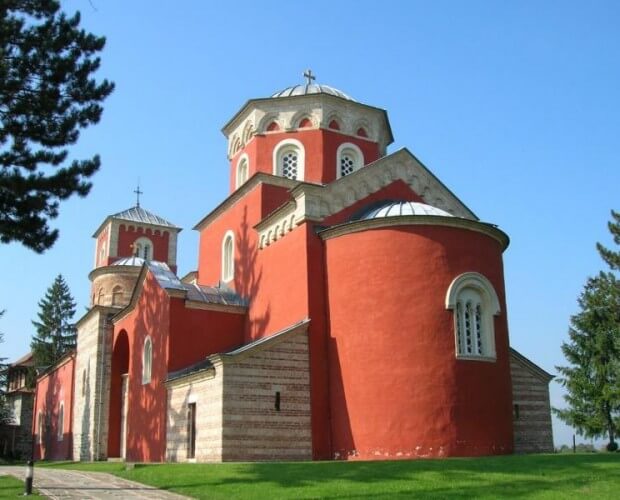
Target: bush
(613,446)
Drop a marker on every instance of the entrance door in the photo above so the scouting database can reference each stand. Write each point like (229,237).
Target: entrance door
(191,431)
(123,416)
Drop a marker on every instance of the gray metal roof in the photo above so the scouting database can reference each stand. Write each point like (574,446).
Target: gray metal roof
(203,365)
(313,88)
(129,261)
(206,294)
(139,214)
(391,208)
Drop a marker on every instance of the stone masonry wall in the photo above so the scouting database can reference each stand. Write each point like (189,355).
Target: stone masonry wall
(205,390)
(253,428)
(531,409)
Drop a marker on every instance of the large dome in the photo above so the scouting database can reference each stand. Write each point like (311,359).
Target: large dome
(312,88)
(391,208)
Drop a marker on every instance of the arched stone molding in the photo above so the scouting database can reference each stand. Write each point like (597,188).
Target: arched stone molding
(281,149)
(293,124)
(248,133)
(267,120)
(235,146)
(477,281)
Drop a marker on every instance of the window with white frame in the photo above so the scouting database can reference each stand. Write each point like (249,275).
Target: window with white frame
(289,159)
(349,158)
(474,302)
(143,248)
(242,170)
(61,422)
(40,427)
(147,360)
(228,257)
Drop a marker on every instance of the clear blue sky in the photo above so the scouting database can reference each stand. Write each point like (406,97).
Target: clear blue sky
(513,105)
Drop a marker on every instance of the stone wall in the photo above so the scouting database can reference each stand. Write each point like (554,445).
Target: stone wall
(92,376)
(236,414)
(531,407)
(16,439)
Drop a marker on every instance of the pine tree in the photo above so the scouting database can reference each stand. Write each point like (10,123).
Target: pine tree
(47,95)
(612,258)
(56,334)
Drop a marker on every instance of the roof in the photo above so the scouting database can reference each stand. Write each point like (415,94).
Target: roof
(129,261)
(313,88)
(391,208)
(139,214)
(531,365)
(203,365)
(25,360)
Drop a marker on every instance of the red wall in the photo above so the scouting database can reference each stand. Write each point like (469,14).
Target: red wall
(52,389)
(146,419)
(320,148)
(396,387)
(127,234)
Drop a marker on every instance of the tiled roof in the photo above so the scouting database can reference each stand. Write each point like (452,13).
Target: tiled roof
(139,214)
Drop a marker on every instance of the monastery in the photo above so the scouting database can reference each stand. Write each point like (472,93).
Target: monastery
(346,305)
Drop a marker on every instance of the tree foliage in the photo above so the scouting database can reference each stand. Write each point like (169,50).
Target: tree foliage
(47,95)
(592,378)
(55,333)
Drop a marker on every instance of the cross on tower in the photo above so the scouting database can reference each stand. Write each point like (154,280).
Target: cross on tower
(138,193)
(309,76)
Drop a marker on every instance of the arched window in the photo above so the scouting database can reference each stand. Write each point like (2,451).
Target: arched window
(334,125)
(40,427)
(117,295)
(147,361)
(273,127)
(362,132)
(349,159)
(100,296)
(242,170)
(61,422)
(305,123)
(143,248)
(473,299)
(289,159)
(228,257)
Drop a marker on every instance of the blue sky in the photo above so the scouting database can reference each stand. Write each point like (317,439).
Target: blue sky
(513,105)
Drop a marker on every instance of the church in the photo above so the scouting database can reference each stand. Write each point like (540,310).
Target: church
(347,305)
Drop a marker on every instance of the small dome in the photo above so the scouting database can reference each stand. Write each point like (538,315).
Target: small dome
(129,261)
(313,88)
(391,208)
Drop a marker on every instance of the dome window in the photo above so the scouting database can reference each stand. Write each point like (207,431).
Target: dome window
(305,123)
(474,302)
(289,160)
(349,159)
(273,127)
(362,132)
(334,125)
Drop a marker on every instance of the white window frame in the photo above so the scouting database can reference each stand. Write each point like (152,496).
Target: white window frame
(284,147)
(244,161)
(39,427)
(358,157)
(147,361)
(60,432)
(472,283)
(140,245)
(228,258)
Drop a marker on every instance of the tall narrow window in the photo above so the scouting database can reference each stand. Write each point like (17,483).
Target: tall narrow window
(147,361)
(191,430)
(143,248)
(474,302)
(228,257)
(117,295)
(242,170)
(40,427)
(61,422)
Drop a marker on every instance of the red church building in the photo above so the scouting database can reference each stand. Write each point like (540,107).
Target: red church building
(346,305)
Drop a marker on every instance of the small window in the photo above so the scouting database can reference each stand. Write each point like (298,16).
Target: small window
(516,412)
(147,361)
(228,257)
(349,159)
(100,297)
(143,248)
(289,160)
(242,170)
(61,422)
(40,427)
(117,296)
(191,430)
(273,127)
(277,401)
(305,123)
(334,125)
(362,132)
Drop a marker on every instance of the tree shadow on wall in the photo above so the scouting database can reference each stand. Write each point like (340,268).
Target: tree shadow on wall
(248,277)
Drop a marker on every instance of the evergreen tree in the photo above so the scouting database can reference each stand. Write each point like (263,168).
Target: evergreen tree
(593,377)
(612,258)
(47,95)
(56,334)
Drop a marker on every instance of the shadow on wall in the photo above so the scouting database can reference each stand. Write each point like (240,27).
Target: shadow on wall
(85,442)
(248,277)
(120,366)
(343,443)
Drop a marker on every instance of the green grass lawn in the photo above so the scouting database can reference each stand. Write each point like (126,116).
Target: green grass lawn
(11,487)
(594,475)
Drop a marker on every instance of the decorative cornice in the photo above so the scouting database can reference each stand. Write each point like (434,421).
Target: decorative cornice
(112,269)
(416,220)
(315,202)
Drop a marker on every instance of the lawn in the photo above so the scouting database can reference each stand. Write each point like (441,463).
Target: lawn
(11,487)
(595,475)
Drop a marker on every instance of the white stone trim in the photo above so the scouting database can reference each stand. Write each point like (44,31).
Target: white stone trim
(490,307)
(243,158)
(281,147)
(147,364)
(228,261)
(359,157)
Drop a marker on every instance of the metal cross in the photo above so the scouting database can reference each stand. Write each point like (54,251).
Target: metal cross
(138,193)
(309,76)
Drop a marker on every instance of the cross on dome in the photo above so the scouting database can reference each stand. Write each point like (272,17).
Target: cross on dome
(138,193)
(309,76)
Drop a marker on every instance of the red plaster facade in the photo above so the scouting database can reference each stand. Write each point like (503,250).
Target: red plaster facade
(400,286)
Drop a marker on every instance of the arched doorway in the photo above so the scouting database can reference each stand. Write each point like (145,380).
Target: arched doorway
(118,396)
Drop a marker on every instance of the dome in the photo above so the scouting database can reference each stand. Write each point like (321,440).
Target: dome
(391,208)
(129,261)
(312,88)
